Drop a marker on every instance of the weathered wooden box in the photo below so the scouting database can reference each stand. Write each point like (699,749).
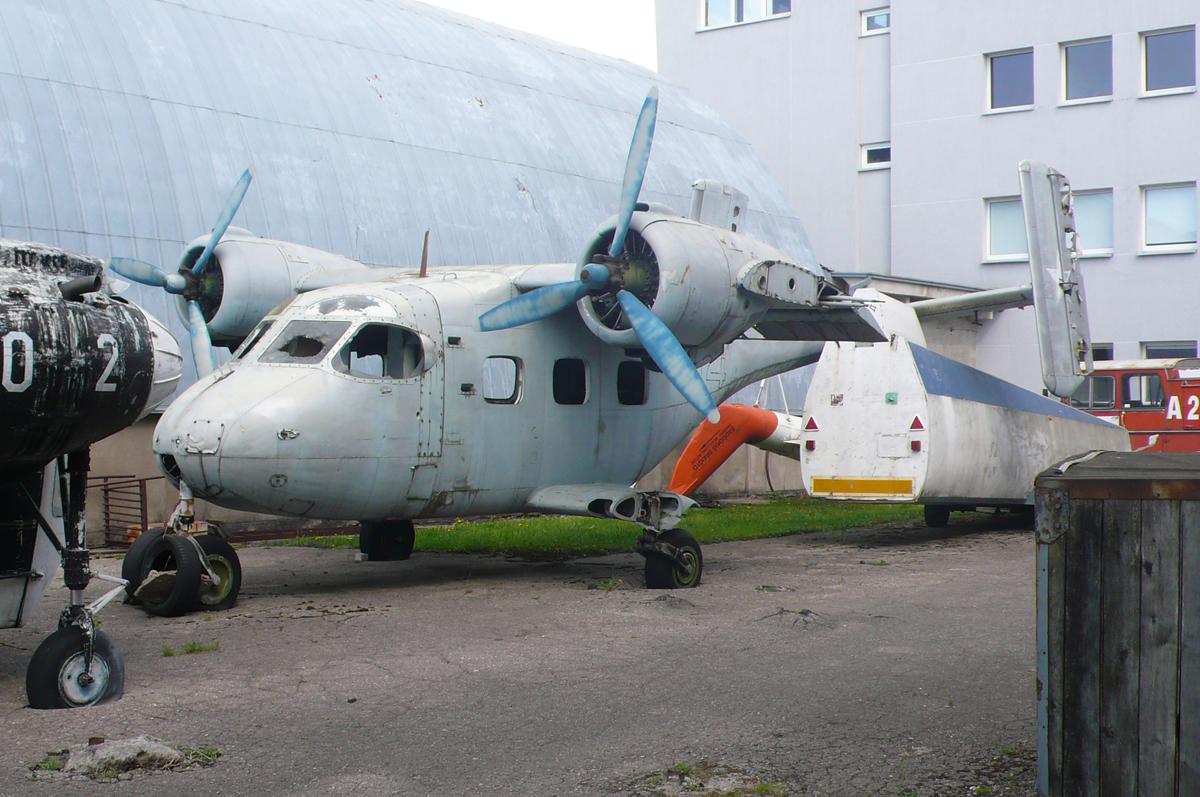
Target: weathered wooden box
(1118,628)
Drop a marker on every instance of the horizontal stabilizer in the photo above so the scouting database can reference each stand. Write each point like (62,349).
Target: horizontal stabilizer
(830,320)
(979,301)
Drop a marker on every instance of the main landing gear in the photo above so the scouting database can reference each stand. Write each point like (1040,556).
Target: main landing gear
(170,572)
(77,665)
(673,557)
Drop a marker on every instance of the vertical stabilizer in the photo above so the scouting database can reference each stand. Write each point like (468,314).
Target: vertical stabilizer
(1058,299)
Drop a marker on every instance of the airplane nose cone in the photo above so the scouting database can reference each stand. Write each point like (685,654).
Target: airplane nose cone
(190,438)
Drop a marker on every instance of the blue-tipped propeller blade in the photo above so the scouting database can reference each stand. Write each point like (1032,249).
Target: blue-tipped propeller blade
(201,342)
(532,306)
(545,301)
(226,218)
(670,357)
(635,169)
(146,274)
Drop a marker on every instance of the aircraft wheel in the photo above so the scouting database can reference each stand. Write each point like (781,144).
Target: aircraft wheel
(665,573)
(225,563)
(172,552)
(131,565)
(936,515)
(52,680)
(387,540)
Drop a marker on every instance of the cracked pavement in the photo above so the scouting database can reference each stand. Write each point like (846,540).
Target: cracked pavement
(894,661)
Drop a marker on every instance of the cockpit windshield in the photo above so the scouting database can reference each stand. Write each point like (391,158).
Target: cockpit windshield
(382,351)
(253,338)
(304,342)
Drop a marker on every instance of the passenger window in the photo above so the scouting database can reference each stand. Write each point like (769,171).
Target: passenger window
(382,351)
(570,381)
(502,380)
(1142,392)
(631,383)
(305,342)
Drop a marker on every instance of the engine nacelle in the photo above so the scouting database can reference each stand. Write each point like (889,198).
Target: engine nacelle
(693,277)
(247,277)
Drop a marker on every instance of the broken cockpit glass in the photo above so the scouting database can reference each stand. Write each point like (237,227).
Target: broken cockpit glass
(305,342)
(382,351)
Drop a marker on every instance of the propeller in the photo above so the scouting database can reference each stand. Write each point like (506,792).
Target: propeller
(656,338)
(186,282)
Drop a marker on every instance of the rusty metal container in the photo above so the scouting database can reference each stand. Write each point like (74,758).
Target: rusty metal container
(1118,626)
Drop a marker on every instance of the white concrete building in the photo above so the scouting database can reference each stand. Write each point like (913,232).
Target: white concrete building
(897,131)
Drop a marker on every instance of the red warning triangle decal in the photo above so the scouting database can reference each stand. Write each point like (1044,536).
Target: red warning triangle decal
(916,425)
(811,426)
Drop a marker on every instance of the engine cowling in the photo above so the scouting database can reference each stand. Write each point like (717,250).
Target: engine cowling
(247,277)
(690,275)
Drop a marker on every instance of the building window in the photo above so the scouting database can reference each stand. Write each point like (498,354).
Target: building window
(1094,222)
(631,383)
(1169,61)
(1006,230)
(1169,218)
(877,21)
(1087,68)
(718,13)
(876,156)
(1010,80)
(502,380)
(1169,349)
(570,381)
(1102,352)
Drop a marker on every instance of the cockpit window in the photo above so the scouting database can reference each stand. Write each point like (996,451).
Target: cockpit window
(253,338)
(382,351)
(304,342)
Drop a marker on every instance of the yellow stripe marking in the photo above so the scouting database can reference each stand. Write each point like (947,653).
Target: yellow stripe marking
(841,485)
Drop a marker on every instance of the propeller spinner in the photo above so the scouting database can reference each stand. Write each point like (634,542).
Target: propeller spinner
(656,338)
(186,282)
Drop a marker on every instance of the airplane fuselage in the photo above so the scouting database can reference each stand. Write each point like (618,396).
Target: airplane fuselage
(384,400)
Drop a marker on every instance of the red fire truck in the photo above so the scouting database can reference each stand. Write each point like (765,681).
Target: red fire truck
(1158,401)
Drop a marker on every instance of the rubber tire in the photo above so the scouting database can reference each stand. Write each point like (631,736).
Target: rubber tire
(46,669)
(387,540)
(131,565)
(663,573)
(936,515)
(174,552)
(225,562)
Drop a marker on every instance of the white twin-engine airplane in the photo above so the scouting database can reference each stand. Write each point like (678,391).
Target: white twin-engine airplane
(382,395)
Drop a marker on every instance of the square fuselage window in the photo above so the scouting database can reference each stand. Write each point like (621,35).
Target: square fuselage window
(1094,221)
(1006,230)
(1010,80)
(1170,60)
(1088,68)
(1169,215)
(570,381)
(502,380)
(631,383)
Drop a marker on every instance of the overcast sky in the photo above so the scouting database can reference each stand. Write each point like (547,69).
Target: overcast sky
(620,28)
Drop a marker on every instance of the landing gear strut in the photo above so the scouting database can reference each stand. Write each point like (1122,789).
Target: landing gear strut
(673,557)
(77,665)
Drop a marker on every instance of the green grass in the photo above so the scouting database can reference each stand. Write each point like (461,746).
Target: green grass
(557,537)
(193,647)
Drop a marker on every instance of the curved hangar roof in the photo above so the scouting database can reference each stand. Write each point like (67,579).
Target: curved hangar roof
(125,123)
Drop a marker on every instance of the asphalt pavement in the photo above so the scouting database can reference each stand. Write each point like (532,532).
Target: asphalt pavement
(893,661)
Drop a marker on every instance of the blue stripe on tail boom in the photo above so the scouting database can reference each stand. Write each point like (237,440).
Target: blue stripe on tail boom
(945,377)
